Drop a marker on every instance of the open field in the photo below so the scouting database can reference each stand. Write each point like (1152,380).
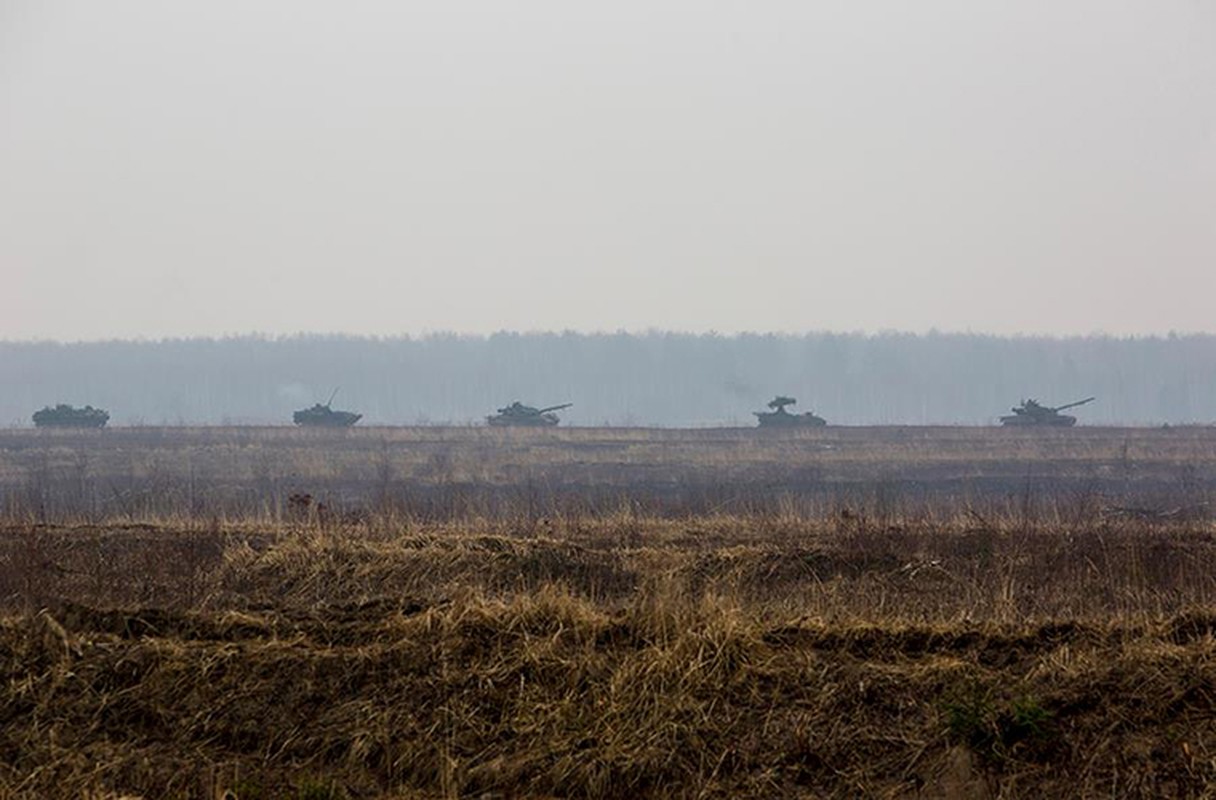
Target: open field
(849,612)
(454,472)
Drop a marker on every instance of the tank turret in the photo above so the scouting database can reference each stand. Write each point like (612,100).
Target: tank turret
(518,414)
(780,418)
(65,416)
(322,416)
(1032,413)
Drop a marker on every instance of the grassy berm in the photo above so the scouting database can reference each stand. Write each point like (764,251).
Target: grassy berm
(614,656)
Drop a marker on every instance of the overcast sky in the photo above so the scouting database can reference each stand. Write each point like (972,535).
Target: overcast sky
(171,169)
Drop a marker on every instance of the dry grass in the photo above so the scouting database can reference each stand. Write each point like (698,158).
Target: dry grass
(957,613)
(609,656)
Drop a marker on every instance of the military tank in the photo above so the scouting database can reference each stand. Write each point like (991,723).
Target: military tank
(65,416)
(322,416)
(1032,413)
(518,414)
(780,418)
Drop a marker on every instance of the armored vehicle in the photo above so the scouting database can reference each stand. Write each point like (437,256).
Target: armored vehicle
(322,416)
(780,418)
(65,416)
(518,414)
(1032,413)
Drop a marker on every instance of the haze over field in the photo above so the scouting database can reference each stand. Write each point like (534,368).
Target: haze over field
(472,166)
(622,379)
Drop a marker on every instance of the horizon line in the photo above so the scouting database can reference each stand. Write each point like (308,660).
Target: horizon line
(570,332)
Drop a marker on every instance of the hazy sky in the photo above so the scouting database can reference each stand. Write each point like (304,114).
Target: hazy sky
(218,167)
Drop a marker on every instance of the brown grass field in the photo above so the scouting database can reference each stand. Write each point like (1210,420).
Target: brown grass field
(409,613)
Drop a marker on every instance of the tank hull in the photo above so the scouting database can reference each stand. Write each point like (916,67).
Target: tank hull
(781,419)
(1024,421)
(329,423)
(311,418)
(533,421)
(69,417)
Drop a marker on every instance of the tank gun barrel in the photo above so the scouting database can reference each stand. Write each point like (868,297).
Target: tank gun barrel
(330,401)
(554,408)
(1078,403)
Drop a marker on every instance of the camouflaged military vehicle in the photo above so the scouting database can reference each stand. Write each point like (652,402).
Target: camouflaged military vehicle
(1032,413)
(65,416)
(518,414)
(780,418)
(322,416)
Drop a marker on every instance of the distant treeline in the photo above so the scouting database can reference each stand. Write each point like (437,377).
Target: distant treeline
(664,379)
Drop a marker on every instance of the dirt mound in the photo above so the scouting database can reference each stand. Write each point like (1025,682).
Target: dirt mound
(305,572)
(335,625)
(993,647)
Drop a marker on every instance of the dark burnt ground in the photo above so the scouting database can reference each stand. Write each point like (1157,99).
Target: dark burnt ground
(455,473)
